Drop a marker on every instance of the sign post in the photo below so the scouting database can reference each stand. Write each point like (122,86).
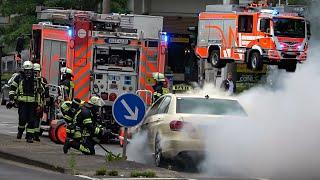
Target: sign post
(128,110)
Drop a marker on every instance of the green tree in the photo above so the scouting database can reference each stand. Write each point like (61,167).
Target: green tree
(23,14)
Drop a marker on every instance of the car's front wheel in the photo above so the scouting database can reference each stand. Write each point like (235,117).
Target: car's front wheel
(158,158)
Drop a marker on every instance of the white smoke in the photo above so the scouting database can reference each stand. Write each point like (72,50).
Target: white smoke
(281,138)
(138,149)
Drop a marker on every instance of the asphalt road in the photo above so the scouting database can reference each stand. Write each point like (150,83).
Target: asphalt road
(16,171)
(9,125)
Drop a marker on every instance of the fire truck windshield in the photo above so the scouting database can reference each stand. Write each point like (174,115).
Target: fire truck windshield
(286,27)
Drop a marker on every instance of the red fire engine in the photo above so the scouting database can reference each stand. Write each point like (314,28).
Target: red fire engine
(110,54)
(251,35)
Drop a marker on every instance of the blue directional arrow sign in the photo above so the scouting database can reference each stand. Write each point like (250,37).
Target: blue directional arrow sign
(128,110)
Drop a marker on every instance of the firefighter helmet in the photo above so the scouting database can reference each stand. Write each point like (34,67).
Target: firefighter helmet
(96,101)
(36,67)
(66,70)
(27,65)
(65,106)
(158,76)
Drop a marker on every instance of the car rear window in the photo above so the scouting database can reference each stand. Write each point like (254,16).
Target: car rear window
(209,106)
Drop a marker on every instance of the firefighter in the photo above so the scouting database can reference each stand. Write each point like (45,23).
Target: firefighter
(87,120)
(160,86)
(66,81)
(69,110)
(23,91)
(42,98)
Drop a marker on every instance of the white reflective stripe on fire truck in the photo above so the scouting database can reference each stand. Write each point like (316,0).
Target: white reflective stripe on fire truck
(227,53)
(244,40)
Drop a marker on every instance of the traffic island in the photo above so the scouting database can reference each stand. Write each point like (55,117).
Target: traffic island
(50,156)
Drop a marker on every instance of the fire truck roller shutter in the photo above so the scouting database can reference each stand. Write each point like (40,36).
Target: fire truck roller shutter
(214,57)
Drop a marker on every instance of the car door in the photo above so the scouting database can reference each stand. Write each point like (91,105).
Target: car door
(157,121)
(150,117)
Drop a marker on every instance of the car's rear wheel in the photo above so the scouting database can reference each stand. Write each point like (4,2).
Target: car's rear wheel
(158,158)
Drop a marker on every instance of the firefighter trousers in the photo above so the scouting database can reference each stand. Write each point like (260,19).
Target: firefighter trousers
(37,123)
(27,111)
(86,145)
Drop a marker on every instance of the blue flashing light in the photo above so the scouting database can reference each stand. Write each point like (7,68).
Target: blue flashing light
(165,37)
(70,32)
(275,12)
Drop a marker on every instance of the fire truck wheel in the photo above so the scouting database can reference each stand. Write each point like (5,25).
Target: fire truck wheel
(255,61)
(291,66)
(215,60)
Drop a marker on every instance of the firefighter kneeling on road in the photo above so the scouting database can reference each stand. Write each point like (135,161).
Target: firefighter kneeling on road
(23,91)
(69,110)
(159,87)
(86,119)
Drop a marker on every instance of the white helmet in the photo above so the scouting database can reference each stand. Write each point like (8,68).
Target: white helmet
(96,101)
(158,76)
(66,70)
(27,65)
(36,67)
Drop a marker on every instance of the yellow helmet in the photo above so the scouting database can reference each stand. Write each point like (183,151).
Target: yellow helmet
(36,67)
(158,76)
(96,101)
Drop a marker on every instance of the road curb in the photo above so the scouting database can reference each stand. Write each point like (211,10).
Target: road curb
(25,160)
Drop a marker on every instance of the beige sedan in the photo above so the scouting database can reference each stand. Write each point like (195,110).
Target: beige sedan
(174,122)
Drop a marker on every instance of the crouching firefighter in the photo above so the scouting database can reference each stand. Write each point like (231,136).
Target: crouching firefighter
(42,98)
(69,110)
(86,119)
(23,88)
(159,87)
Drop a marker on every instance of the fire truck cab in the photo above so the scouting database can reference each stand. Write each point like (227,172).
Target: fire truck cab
(110,54)
(251,35)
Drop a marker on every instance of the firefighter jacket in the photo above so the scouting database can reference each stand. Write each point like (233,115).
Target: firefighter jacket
(69,88)
(42,91)
(23,89)
(86,121)
(159,91)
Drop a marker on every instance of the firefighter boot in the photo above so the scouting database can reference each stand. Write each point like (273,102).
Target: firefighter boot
(20,133)
(67,145)
(36,137)
(29,138)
